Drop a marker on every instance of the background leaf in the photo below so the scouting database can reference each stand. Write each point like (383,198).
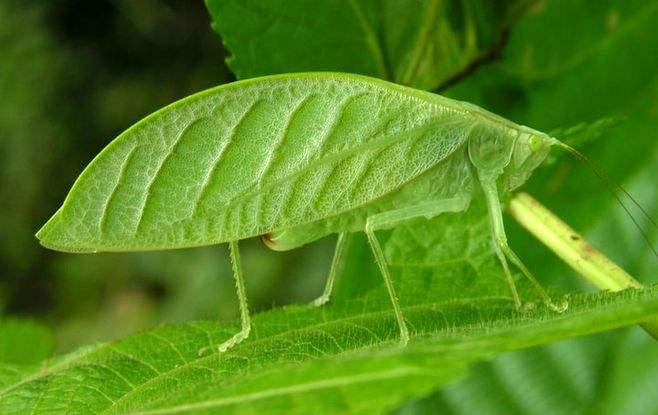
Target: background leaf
(24,341)
(23,344)
(418,43)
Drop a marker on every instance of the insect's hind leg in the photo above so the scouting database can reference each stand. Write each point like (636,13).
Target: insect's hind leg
(390,219)
(504,251)
(242,298)
(333,271)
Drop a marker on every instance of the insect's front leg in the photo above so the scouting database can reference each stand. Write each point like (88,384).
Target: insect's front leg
(242,299)
(390,219)
(503,250)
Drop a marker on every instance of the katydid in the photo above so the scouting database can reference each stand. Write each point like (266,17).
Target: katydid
(293,158)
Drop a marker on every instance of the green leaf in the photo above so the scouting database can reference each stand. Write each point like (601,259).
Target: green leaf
(299,359)
(416,43)
(23,341)
(23,344)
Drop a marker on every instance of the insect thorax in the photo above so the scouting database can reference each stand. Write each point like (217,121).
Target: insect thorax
(507,153)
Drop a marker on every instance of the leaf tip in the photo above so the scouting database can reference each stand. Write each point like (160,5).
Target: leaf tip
(47,235)
(54,235)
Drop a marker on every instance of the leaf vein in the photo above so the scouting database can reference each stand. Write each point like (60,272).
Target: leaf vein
(372,40)
(156,176)
(275,149)
(421,42)
(399,372)
(110,198)
(211,172)
(168,343)
(131,357)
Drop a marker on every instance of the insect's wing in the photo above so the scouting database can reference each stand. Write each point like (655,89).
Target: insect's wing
(252,157)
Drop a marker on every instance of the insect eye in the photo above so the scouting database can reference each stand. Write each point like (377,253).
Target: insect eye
(535,143)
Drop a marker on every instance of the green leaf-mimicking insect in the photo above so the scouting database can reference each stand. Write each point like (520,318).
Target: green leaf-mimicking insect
(293,158)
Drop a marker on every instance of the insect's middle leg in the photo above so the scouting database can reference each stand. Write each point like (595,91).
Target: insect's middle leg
(336,263)
(390,219)
(242,299)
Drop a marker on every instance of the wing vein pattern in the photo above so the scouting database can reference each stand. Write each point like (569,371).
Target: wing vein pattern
(232,163)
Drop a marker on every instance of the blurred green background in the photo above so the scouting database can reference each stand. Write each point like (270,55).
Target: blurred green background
(74,74)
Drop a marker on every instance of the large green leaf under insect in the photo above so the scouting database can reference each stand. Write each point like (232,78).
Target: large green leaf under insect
(342,359)
(269,154)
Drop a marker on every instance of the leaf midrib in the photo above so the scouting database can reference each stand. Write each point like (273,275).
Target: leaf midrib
(372,40)
(399,372)
(422,39)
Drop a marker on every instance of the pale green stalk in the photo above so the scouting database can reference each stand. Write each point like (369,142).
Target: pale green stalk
(569,245)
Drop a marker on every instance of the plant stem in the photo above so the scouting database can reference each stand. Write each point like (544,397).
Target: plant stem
(573,249)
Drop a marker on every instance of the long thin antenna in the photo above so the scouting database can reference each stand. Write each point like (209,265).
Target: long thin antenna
(613,187)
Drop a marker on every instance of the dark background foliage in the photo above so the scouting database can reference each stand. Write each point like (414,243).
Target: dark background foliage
(72,76)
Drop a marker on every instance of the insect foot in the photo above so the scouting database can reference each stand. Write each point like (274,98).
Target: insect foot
(528,306)
(560,307)
(404,336)
(228,344)
(321,300)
